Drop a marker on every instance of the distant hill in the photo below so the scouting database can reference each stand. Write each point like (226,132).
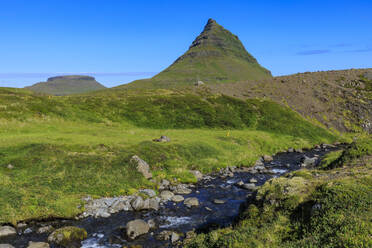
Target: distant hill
(215,56)
(66,85)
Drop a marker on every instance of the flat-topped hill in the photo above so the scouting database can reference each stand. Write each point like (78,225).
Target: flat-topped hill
(66,85)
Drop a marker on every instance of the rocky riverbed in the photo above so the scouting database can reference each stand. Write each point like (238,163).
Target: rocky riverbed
(167,218)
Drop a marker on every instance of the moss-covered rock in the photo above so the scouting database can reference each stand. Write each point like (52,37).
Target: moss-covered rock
(69,236)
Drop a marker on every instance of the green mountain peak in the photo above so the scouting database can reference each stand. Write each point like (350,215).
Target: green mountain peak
(215,56)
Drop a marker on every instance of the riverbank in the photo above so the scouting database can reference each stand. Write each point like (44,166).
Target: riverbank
(219,197)
(327,207)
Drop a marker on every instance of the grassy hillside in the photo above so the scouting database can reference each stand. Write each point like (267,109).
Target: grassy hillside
(338,99)
(216,56)
(63,148)
(67,85)
(331,208)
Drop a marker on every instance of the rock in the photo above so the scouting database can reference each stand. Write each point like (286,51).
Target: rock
(6,246)
(102,213)
(141,166)
(166,195)
(148,192)
(253,180)
(9,166)
(21,225)
(7,231)
(178,198)
(267,158)
(290,150)
(69,236)
(249,186)
(240,183)
(136,228)
(162,139)
(197,174)
(306,161)
(199,83)
(299,150)
(191,202)
(217,201)
(137,203)
(45,229)
(164,235)
(259,162)
(121,204)
(151,203)
(182,189)
(259,168)
(37,245)
(174,237)
(151,223)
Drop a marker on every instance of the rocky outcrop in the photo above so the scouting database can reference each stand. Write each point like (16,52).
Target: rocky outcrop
(68,237)
(136,228)
(141,166)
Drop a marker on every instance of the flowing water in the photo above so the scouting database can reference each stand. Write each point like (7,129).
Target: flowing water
(108,232)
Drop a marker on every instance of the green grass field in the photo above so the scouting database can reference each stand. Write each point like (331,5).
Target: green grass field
(64,148)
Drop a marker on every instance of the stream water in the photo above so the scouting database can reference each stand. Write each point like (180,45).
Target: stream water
(108,232)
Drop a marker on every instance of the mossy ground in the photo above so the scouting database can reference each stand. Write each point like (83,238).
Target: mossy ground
(318,208)
(63,148)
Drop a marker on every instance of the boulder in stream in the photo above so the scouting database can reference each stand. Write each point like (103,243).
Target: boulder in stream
(38,245)
(267,158)
(136,228)
(177,198)
(69,236)
(138,203)
(166,195)
(191,202)
(7,231)
(6,246)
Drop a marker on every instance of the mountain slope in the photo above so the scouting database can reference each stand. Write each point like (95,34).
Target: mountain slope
(338,99)
(66,85)
(215,56)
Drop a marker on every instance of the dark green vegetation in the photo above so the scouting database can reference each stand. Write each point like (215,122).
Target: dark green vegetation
(315,208)
(67,85)
(216,56)
(63,148)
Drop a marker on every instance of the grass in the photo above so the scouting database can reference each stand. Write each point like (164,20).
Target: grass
(317,208)
(64,148)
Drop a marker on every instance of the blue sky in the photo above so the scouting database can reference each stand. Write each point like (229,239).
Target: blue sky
(62,36)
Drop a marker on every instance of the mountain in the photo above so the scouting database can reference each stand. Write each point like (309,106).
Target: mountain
(215,56)
(66,85)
